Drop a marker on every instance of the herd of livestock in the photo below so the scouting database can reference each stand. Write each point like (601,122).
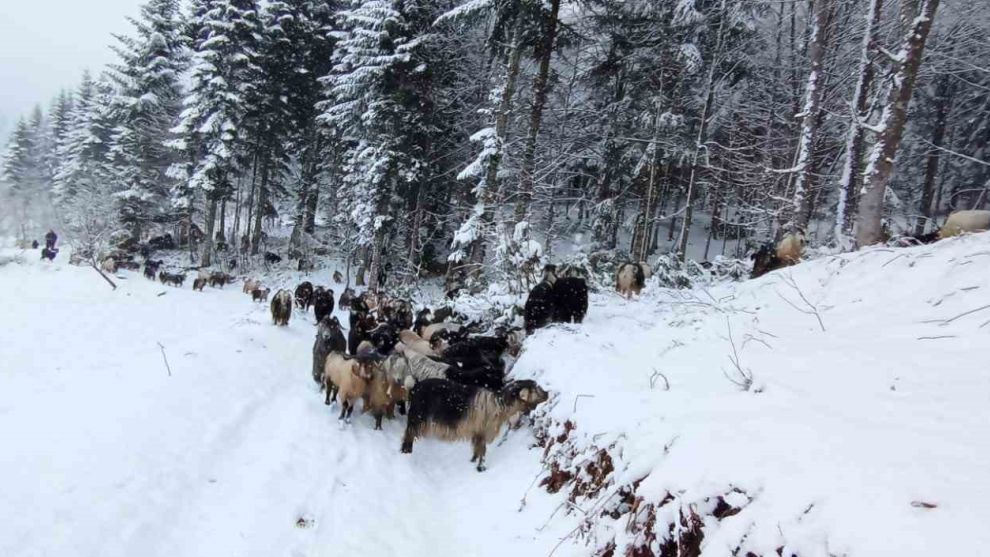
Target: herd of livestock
(435,366)
(450,382)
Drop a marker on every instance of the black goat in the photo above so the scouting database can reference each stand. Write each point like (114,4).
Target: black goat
(304,296)
(451,411)
(329,338)
(322,303)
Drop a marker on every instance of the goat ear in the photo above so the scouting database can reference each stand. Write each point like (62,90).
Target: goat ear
(524,394)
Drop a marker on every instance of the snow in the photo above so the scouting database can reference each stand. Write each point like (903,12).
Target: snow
(844,432)
(106,454)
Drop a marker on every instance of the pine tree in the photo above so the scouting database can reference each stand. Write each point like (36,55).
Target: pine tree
(83,187)
(83,149)
(296,51)
(59,119)
(224,73)
(374,104)
(145,108)
(20,163)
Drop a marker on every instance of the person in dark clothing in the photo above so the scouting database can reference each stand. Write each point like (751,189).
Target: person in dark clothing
(34,244)
(50,240)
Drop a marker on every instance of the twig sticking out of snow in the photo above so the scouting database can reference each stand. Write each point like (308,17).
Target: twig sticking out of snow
(106,278)
(162,348)
(936,337)
(522,502)
(653,377)
(576,400)
(744,378)
(893,259)
(604,499)
(670,444)
(748,337)
(944,322)
(812,309)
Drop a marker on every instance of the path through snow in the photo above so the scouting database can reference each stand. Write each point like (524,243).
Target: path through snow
(234,454)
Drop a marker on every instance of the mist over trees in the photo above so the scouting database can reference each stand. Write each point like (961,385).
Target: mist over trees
(470,138)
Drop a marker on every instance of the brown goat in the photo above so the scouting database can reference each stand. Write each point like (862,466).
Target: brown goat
(416,343)
(791,247)
(380,397)
(964,221)
(250,285)
(347,378)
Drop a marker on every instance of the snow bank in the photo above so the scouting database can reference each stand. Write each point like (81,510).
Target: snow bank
(862,431)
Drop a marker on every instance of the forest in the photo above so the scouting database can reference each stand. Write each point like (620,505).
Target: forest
(473,139)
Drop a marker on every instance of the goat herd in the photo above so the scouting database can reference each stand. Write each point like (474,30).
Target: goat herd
(450,382)
(434,366)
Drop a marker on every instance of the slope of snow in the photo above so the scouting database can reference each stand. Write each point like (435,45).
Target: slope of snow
(850,426)
(233,454)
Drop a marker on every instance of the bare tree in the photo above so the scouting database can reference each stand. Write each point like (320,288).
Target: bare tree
(851,175)
(890,130)
(810,121)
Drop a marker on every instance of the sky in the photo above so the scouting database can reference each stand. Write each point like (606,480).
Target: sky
(46,44)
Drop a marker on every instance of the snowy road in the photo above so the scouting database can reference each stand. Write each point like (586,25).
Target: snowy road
(233,454)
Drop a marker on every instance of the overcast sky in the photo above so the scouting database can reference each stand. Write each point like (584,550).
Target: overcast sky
(46,44)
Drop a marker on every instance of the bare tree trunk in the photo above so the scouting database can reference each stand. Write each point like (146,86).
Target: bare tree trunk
(641,233)
(232,237)
(492,194)
(374,269)
(259,211)
(881,163)
(673,215)
(415,224)
(943,102)
(208,227)
(313,201)
(248,221)
(813,92)
(540,86)
(702,137)
(715,217)
(222,225)
(849,184)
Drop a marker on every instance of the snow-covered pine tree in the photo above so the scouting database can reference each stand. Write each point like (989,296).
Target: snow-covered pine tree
(295,51)
(145,108)
(374,102)
(224,74)
(83,188)
(22,171)
(57,125)
(516,25)
(82,151)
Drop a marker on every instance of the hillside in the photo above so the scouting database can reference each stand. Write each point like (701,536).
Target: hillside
(866,406)
(869,385)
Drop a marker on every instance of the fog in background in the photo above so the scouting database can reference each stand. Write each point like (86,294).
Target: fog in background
(46,44)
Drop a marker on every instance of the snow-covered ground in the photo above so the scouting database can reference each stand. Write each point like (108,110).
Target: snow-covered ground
(106,454)
(851,426)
